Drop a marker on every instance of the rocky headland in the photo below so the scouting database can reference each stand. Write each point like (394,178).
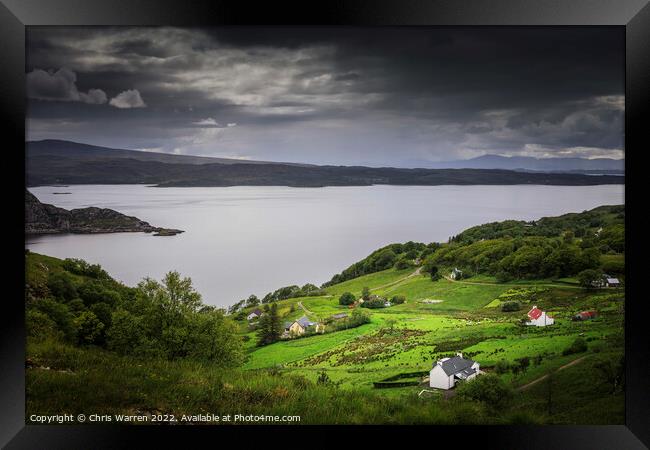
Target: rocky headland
(41,218)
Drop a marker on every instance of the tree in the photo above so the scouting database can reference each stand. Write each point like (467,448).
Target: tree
(61,286)
(365,293)
(429,265)
(88,327)
(252,301)
(346,298)
(523,363)
(269,327)
(612,371)
(590,278)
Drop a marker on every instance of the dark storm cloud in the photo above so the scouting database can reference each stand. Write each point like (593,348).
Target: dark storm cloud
(391,96)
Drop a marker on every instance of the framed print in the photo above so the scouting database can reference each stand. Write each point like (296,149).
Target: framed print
(351,215)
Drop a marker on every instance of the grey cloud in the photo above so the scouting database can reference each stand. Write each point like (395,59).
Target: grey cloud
(60,86)
(353,95)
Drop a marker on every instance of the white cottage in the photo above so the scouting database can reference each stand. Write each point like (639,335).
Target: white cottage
(446,371)
(539,318)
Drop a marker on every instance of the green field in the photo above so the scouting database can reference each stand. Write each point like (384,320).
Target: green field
(458,322)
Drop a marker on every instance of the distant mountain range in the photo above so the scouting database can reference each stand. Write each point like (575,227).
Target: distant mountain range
(52,162)
(606,165)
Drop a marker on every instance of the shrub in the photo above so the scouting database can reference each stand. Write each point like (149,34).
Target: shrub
(502,366)
(323,378)
(61,286)
(39,326)
(374,302)
(346,299)
(578,346)
(510,306)
(397,300)
(403,263)
(89,327)
(487,388)
(587,278)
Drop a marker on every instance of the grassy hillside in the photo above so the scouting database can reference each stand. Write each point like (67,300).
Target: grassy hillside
(570,372)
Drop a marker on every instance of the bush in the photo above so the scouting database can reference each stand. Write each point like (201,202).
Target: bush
(81,267)
(403,263)
(510,306)
(578,346)
(502,366)
(61,286)
(88,326)
(39,326)
(487,388)
(397,300)
(587,278)
(374,302)
(347,299)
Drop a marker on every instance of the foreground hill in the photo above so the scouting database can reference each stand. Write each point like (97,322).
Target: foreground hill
(41,218)
(156,349)
(56,162)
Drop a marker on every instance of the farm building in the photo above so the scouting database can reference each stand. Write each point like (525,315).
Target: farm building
(456,274)
(339,316)
(256,314)
(447,371)
(585,315)
(612,282)
(539,318)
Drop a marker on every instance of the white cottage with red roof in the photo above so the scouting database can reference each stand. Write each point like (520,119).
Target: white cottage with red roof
(539,318)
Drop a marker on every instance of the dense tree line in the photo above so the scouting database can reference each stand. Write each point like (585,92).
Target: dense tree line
(583,225)
(400,256)
(82,305)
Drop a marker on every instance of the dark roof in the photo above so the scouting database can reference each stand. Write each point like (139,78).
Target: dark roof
(340,315)
(456,364)
(463,374)
(256,311)
(305,322)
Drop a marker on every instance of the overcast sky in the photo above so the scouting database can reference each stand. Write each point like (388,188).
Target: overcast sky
(380,97)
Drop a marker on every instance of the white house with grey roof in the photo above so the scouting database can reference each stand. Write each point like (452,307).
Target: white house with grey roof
(447,371)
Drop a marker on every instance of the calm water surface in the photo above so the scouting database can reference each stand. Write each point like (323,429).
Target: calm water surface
(250,240)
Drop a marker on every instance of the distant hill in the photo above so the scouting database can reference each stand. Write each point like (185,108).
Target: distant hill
(59,162)
(53,148)
(535,164)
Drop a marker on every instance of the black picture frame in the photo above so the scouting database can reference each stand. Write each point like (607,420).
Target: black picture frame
(634,15)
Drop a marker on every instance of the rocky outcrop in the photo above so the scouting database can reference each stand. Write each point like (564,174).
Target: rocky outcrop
(42,218)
